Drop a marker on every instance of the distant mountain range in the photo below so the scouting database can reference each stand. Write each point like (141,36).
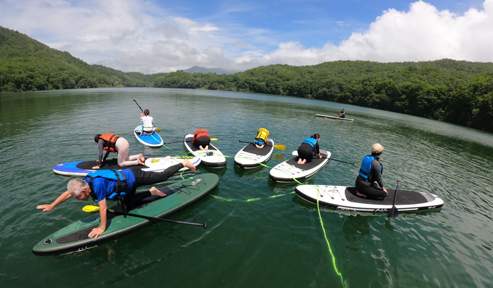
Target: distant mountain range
(197,69)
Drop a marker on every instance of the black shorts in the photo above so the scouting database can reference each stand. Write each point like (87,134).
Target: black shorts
(305,151)
(202,141)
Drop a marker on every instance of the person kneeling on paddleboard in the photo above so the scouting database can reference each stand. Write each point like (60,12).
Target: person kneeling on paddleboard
(370,175)
(201,139)
(104,183)
(261,138)
(342,114)
(116,144)
(309,149)
(147,123)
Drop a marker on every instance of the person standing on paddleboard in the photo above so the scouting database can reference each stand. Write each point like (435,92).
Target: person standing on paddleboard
(370,175)
(100,185)
(201,139)
(147,123)
(116,144)
(309,149)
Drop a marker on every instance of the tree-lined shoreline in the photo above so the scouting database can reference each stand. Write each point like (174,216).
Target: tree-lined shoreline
(458,92)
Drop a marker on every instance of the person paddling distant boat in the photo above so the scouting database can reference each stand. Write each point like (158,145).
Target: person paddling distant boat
(370,175)
(116,144)
(309,149)
(342,114)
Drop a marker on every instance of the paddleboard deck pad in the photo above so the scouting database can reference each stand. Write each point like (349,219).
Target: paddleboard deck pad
(148,139)
(334,117)
(345,198)
(157,164)
(288,171)
(250,156)
(212,158)
(74,237)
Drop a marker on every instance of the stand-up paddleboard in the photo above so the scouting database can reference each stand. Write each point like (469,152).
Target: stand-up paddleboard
(81,168)
(290,170)
(74,237)
(345,198)
(151,140)
(334,117)
(212,158)
(250,156)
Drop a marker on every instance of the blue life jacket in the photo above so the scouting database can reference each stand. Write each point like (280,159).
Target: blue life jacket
(311,141)
(365,169)
(120,189)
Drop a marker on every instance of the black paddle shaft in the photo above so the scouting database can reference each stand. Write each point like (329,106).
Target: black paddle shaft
(394,212)
(138,105)
(152,219)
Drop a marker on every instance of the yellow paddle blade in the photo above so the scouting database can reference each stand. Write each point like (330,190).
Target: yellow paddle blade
(158,130)
(280,147)
(90,208)
(213,139)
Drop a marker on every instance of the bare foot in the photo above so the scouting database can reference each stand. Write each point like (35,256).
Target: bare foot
(141,162)
(301,161)
(360,195)
(155,192)
(95,167)
(204,148)
(188,164)
(142,158)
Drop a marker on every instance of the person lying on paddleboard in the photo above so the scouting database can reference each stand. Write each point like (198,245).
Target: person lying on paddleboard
(116,144)
(147,123)
(261,138)
(342,114)
(309,149)
(201,139)
(103,183)
(370,175)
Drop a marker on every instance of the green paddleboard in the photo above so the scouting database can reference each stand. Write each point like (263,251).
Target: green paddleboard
(74,237)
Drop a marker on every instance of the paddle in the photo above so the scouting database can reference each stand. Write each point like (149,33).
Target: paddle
(92,208)
(157,129)
(280,147)
(212,139)
(394,212)
(295,153)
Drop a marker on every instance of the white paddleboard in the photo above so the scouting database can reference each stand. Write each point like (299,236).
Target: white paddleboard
(334,117)
(212,158)
(345,198)
(288,171)
(250,156)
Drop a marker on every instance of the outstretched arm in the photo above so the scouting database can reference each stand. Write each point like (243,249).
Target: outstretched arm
(47,207)
(102,216)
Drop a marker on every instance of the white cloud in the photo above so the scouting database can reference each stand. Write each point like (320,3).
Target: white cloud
(136,35)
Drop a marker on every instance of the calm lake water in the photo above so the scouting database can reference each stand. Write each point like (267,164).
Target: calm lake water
(268,241)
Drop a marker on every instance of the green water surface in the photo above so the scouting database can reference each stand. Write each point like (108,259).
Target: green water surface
(253,239)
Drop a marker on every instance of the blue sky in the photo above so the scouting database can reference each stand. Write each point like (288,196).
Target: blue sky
(153,36)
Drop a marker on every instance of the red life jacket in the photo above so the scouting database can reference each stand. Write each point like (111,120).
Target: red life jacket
(199,133)
(109,141)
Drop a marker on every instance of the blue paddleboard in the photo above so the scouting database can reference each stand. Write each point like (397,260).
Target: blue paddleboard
(151,140)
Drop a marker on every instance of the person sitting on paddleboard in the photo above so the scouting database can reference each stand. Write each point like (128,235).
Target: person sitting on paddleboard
(342,114)
(261,138)
(116,144)
(370,175)
(201,139)
(309,149)
(102,184)
(147,123)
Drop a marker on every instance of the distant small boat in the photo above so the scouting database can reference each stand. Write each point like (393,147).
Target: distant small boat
(334,117)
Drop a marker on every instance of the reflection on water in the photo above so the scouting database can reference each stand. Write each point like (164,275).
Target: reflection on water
(274,241)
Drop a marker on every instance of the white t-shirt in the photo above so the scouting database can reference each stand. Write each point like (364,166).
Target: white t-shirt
(147,122)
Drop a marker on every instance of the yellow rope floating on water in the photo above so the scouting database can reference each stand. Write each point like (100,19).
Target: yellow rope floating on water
(328,244)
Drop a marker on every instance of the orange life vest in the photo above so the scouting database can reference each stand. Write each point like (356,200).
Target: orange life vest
(109,141)
(199,133)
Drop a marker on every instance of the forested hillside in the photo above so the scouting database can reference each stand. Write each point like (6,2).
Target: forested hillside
(458,92)
(27,65)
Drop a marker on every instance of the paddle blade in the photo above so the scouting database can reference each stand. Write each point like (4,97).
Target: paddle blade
(393,213)
(158,130)
(90,208)
(280,147)
(213,139)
